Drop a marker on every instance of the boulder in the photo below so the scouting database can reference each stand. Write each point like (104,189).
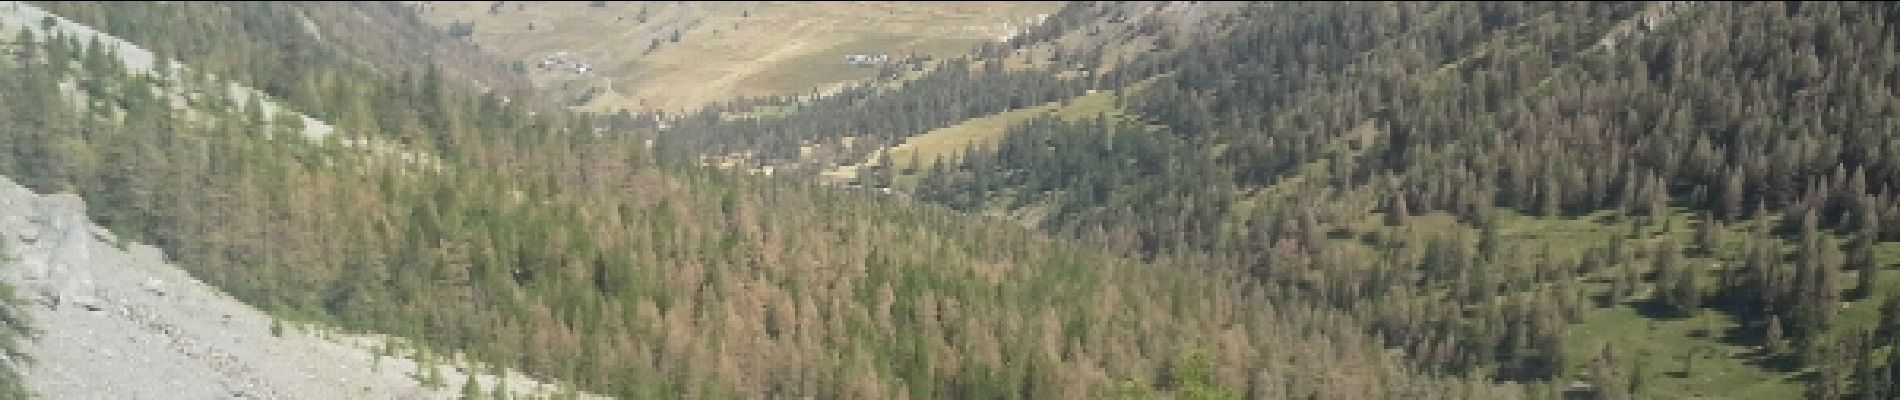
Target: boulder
(101,234)
(62,202)
(154,286)
(88,302)
(145,253)
(49,297)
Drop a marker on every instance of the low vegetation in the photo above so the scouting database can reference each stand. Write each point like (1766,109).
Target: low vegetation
(16,327)
(541,246)
(672,56)
(1371,155)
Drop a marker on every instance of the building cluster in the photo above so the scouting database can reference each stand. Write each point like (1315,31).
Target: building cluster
(866,59)
(561,61)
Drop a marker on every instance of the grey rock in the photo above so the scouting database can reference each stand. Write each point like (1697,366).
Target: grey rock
(154,286)
(149,330)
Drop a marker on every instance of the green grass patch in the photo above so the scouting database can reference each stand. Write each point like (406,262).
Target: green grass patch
(725,50)
(1658,349)
(1696,357)
(946,142)
(800,73)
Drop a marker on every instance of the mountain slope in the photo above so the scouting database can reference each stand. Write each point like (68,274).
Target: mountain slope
(678,56)
(17,328)
(116,322)
(542,245)
(1716,176)
(1545,124)
(218,37)
(1084,46)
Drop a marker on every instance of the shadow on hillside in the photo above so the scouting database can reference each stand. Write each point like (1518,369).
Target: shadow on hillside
(1656,310)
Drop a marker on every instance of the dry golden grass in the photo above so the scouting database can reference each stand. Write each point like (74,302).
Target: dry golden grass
(725,50)
(946,142)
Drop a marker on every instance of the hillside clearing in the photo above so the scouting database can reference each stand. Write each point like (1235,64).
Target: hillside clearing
(677,55)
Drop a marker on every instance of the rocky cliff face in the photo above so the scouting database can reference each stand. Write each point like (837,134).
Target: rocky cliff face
(118,322)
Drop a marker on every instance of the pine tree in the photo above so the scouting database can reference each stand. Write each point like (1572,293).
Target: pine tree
(1686,294)
(1630,279)
(1489,241)
(1192,377)
(1731,202)
(1708,239)
(1866,373)
(1677,285)
(1861,258)
(1889,324)
(1658,206)
(1775,341)
(1604,376)
(1395,216)
(1637,379)
(16,327)
(471,389)
(1830,383)
(431,373)
(501,386)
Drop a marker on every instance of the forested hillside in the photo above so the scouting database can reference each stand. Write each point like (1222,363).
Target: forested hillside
(1083,46)
(541,244)
(1658,199)
(15,328)
(679,56)
(1284,200)
(308,44)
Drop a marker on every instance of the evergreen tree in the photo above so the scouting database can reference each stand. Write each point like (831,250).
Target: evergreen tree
(470,388)
(16,327)
(1395,215)
(501,391)
(1861,258)
(1221,138)
(1774,338)
(1889,324)
(1604,376)
(1637,377)
(1732,198)
(1708,237)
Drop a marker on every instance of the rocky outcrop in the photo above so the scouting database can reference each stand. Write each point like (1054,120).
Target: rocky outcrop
(1653,16)
(118,322)
(21,16)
